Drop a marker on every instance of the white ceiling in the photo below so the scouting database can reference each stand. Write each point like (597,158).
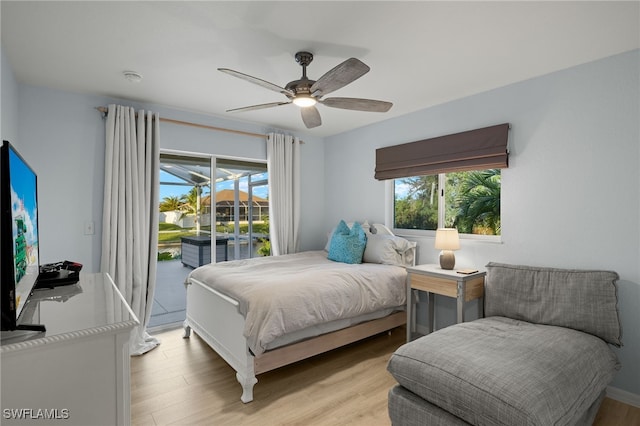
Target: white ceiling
(420,53)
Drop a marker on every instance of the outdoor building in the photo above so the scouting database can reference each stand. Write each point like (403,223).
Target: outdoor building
(225,204)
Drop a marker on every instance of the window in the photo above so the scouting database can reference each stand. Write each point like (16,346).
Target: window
(468,201)
(416,201)
(446,181)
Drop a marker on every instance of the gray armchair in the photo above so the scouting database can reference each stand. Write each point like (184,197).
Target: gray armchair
(541,355)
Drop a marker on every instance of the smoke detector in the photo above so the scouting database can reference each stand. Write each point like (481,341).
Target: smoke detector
(132,76)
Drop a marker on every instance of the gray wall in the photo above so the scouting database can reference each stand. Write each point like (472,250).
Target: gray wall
(570,196)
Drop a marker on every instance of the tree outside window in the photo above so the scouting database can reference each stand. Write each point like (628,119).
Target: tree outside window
(416,203)
(468,201)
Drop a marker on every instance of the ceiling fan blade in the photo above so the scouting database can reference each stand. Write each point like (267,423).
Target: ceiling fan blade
(311,117)
(260,106)
(357,104)
(343,74)
(258,81)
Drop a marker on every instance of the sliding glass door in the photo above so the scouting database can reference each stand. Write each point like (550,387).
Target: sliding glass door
(185,205)
(242,207)
(184,234)
(201,222)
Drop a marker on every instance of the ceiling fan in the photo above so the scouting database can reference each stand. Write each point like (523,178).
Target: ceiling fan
(306,93)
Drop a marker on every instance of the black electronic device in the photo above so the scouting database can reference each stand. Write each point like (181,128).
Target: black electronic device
(58,274)
(19,243)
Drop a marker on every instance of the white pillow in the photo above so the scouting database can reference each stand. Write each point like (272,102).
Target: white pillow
(389,250)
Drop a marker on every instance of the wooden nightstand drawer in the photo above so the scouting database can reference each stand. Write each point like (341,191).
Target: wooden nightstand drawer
(433,285)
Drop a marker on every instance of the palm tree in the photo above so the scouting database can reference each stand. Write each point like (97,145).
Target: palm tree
(170,203)
(191,204)
(478,201)
(189,201)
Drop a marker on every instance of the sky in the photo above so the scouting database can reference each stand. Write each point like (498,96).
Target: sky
(178,190)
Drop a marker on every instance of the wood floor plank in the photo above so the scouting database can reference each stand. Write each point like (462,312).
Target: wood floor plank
(184,382)
(616,413)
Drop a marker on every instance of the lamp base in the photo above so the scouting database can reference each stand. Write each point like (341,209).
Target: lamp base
(447,259)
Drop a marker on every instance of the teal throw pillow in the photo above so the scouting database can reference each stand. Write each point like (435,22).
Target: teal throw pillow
(347,245)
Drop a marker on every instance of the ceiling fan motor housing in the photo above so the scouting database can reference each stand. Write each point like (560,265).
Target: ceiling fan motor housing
(300,87)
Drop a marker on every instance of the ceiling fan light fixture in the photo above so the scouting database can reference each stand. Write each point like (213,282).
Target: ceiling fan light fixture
(304,101)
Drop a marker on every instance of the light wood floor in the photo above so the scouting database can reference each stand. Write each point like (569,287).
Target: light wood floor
(184,382)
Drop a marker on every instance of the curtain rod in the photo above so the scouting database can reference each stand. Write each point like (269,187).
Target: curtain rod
(201,126)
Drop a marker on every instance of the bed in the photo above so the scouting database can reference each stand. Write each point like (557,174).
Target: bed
(264,313)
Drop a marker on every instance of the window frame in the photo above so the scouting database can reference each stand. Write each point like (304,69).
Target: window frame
(390,214)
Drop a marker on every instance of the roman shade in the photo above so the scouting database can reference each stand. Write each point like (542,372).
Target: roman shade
(478,149)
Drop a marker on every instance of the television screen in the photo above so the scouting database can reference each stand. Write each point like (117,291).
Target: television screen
(20,254)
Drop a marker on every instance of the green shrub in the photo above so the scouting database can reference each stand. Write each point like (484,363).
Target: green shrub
(164,256)
(265,248)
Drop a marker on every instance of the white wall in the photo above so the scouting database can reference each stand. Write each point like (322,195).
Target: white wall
(570,196)
(9,94)
(62,137)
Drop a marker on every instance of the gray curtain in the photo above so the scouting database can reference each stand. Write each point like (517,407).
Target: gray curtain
(130,213)
(283,163)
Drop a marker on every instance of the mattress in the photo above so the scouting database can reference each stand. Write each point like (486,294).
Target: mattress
(324,328)
(285,295)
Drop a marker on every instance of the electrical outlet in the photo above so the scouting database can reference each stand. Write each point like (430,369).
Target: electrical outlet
(89,228)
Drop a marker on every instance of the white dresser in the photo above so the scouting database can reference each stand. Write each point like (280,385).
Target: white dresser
(78,371)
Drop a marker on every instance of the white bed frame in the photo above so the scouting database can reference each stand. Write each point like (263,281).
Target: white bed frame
(216,319)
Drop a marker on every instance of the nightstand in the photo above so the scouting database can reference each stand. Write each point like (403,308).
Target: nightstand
(434,280)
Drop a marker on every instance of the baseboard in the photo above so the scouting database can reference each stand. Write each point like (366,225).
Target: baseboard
(623,396)
(164,327)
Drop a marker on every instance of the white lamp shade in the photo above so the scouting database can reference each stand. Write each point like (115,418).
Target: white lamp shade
(447,239)
(304,101)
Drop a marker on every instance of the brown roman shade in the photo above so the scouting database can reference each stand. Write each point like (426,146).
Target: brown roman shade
(478,149)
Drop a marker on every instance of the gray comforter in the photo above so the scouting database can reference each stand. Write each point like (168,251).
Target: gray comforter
(283,294)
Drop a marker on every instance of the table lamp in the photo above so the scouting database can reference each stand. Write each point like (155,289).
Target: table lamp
(447,240)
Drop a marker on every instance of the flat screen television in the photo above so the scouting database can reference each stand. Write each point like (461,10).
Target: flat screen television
(19,248)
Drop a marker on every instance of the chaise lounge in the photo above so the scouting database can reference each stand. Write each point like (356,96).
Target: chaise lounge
(541,355)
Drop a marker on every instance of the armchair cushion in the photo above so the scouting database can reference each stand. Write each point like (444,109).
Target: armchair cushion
(579,299)
(501,371)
